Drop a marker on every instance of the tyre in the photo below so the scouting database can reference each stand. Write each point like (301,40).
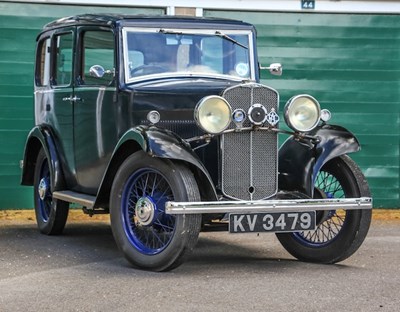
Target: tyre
(51,213)
(148,237)
(339,233)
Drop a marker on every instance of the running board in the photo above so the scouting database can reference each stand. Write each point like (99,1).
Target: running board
(76,198)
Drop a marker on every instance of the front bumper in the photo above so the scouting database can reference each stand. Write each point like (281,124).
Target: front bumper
(268,206)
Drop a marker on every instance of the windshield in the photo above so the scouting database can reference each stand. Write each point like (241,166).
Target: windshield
(164,52)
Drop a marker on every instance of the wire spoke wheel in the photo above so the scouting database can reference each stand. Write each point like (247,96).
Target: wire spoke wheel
(149,238)
(51,213)
(327,230)
(146,224)
(339,233)
(44,200)
(329,223)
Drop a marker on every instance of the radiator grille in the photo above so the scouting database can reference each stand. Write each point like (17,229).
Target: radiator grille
(249,159)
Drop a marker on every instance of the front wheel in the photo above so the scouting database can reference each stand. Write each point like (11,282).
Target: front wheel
(339,233)
(149,238)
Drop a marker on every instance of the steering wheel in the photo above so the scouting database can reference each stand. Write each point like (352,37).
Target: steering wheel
(148,69)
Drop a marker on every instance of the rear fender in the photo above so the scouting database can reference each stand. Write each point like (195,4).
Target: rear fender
(41,137)
(301,160)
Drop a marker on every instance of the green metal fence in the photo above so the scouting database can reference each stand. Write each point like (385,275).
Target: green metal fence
(351,64)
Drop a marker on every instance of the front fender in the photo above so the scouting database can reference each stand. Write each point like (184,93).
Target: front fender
(166,144)
(41,137)
(301,160)
(156,142)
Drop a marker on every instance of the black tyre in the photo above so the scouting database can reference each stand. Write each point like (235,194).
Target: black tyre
(51,213)
(339,233)
(149,238)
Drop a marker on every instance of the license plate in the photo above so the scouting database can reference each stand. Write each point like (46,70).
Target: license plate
(272,222)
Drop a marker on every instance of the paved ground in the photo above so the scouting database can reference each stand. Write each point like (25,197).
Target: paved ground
(83,271)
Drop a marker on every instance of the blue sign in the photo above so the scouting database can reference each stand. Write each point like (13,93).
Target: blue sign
(308,4)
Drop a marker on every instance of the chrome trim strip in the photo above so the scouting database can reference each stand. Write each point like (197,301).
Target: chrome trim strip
(297,205)
(188,31)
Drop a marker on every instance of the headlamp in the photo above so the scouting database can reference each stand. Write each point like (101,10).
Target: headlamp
(213,114)
(302,113)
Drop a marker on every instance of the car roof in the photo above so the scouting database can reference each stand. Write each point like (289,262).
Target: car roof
(113,20)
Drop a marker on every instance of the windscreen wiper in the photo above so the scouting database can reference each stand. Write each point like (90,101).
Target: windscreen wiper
(217,33)
(226,37)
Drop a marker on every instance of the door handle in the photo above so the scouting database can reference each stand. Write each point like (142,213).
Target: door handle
(72,99)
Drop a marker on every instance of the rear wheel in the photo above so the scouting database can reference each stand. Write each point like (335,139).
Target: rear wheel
(149,238)
(339,233)
(51,213)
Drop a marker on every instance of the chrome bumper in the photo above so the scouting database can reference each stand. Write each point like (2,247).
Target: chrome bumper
(267,206)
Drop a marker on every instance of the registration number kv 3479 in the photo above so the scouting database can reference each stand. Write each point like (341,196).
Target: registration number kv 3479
(272,222)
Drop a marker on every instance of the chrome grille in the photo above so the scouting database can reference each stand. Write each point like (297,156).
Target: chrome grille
(249,159)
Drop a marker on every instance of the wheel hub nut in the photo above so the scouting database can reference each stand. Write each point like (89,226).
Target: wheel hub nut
(145,211)
(42,189)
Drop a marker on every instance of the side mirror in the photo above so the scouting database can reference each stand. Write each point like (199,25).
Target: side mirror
(97,71)
(274,69)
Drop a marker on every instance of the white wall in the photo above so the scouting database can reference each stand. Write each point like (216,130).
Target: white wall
(343,6)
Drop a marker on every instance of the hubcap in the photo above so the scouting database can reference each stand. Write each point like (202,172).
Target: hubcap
(43,188)
(145,211)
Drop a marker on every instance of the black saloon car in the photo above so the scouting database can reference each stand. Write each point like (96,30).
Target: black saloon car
(163,123)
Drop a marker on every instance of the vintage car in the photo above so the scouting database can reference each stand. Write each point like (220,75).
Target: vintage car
(163,123)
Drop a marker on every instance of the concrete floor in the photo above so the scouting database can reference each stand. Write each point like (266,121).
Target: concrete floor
(83,270)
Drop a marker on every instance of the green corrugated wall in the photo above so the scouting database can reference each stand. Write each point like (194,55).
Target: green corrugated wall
(351,64)
(19,25)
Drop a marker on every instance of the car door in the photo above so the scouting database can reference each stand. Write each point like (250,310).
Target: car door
(59,99)
(94,123)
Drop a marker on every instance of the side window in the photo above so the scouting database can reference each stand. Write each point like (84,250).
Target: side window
(43,63)
(62,73)
(98,49)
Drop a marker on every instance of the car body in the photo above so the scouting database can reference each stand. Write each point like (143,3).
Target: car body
(162,121)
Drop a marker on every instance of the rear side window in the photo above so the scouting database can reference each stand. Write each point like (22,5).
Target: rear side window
(62,73)
(98,49)
(42,76)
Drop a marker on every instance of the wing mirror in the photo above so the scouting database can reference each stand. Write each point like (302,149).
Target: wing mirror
(98,71)
(274,69)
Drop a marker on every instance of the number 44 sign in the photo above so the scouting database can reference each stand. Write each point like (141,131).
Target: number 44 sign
(308,4)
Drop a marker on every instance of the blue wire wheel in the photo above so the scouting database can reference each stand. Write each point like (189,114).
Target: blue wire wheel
(51,213)
(145,223)
(44,198)
(339,233)
(148,237)
(329,223)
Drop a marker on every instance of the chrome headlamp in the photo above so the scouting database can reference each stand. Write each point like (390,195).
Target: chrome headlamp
(213,114)
(302,113)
